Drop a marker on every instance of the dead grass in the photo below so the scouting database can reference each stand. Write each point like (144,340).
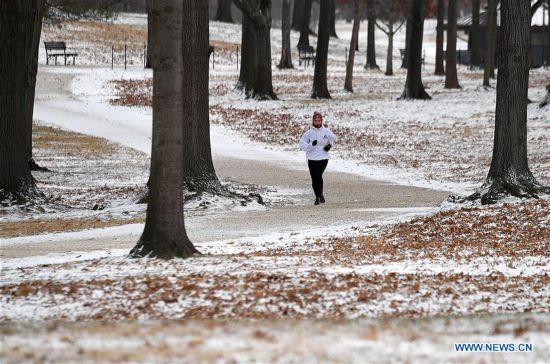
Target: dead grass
(98,33)
(72,144)
(43,226)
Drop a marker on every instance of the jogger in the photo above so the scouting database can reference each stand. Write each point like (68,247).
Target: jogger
(316,142)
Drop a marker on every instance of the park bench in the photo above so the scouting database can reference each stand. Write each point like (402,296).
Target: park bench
(58,49)
(306,55)
(402,53)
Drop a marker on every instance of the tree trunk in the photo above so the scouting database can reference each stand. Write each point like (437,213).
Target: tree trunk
(298,13)
(199,173)
(451,77)
(223,12)
(303,42)
(371,43)
(320,88)
(474,36)
(414,89)
(255,76)
(405,62)
(440,36)
(348,85)
(32,71)
(286,54)
(149,57)
(247,74)
(333,25)
(490,36)
(18,58)
(164,235)
(509,173)
(547,47)
(389,56)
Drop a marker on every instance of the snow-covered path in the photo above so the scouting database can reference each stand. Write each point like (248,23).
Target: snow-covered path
(352,198)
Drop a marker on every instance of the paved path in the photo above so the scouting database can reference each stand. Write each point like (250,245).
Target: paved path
(351,198)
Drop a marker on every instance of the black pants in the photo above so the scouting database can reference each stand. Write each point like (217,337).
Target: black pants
(316,169)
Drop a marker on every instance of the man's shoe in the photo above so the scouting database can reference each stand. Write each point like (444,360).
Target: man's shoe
(316,201)
(322,199)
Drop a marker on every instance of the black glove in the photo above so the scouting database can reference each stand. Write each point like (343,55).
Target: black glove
(327,147)
(314,143)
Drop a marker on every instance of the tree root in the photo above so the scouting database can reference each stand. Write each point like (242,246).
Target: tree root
(158,247)
(194,190)
(28,194)
(197,188)
(35,167)
(494,190)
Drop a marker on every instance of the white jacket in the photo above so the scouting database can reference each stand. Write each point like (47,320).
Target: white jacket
(323,136)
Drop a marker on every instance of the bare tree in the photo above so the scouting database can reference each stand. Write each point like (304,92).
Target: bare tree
(199,173)
(298,13)
(509,173)
(149,57)
(164,235)
(223,11)
(31,79)
(333,25)
(408,31)
(414,89)
(19,38)
(286,54)
(474,35)
(439,40)
(255,77)
(371,36)
(358,9)
(451,77)
(490,40)
(390,20)
(320,88)
(303,41)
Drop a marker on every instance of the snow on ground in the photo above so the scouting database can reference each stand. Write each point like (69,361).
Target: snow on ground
(471,260)
(424,262)
(445,143)
(281,341)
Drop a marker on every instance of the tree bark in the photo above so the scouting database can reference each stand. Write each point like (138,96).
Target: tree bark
(199,173)
(451,77)
(320,88)
(440,36)
(18,64)
(298,13)
(255,76)
(247,74)
(149,56)
(371,36)
(223,12)
(490,37)
(405,62)
(389,55)
(474,36)
(547,49)
(286,54)
(32,71)
(414,89)
(164,235)
(333,25)
(509,173)
(348,84)
(303,41)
